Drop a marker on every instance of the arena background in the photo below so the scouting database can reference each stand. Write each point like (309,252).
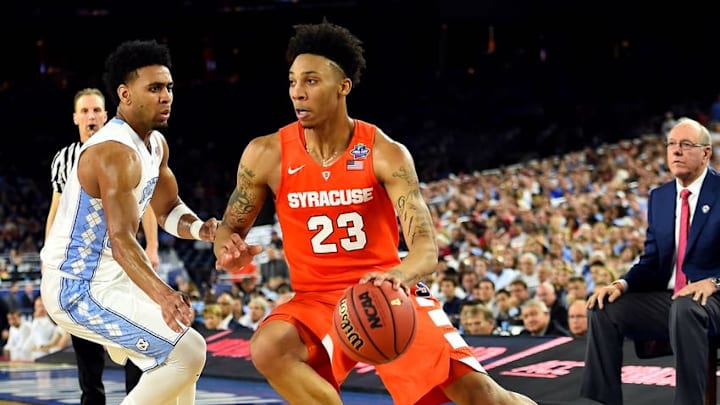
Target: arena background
(610,72)
(556,76)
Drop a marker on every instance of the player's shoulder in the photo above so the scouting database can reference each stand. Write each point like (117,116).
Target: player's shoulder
(267,141)
(264,146)
(387,145)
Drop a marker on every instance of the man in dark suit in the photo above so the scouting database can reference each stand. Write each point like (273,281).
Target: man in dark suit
(644,305)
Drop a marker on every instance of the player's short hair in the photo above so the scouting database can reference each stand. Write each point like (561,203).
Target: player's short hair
(122,65)
(331,41)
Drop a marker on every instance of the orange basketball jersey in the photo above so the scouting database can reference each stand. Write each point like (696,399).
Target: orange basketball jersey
(338,222)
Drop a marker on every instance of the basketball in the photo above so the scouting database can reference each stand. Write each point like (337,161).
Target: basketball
(375,325)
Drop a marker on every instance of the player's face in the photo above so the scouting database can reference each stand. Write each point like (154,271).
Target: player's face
(317,86)
(151,96)
(89,115)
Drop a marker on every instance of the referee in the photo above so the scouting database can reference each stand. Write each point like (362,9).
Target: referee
(90,116)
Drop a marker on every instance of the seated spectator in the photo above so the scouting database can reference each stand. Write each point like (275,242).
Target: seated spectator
(558,313)
(578,317)
(536,320)
(484,291)
(276,266)
(45,336)
(12,299)
(451,302)
(576,289)
(468,280)
(17,347)
(27,299)
(257,311)
(508,312)
(211,318)
(519,291)
(477,320)
(527,265)
(225,301)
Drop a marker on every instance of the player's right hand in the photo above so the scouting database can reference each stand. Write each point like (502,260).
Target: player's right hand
(176,310)
(235,254)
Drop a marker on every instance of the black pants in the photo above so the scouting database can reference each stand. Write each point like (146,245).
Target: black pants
(90,358)
(650,316)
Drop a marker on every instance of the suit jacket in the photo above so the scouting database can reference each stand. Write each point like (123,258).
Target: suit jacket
(655,266)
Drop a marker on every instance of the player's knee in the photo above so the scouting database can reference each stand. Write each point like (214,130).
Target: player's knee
(193,351)
(273,348)
(265,355)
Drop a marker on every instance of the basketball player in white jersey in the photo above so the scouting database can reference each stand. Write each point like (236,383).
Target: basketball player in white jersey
(98,282)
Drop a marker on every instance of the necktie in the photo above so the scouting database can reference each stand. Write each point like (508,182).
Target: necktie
(680,279)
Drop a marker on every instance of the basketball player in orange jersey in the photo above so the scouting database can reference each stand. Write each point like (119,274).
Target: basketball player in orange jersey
(338,183)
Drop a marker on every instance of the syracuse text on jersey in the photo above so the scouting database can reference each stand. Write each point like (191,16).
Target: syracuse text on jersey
(329,198)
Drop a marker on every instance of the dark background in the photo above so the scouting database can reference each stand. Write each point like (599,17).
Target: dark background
(611,70)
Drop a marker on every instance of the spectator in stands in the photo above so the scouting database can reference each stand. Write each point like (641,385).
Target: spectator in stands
(668,123)
(576,289)
(468,281)
(276,266)
(450,302)
(499,273)
(537,321)
(485,294)
(276,240)
(211,320)
(225,302)
(27,298)
(519,292)
(12,299)
(257,311)
(477,320)
(558,312)
(45,335)
(508,312)
(18,346)
(578,317)
(603,274)
(527,265)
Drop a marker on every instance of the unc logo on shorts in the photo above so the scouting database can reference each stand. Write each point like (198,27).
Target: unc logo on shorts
(142,344)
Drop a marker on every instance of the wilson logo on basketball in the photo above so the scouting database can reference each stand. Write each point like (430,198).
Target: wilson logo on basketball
(370,311)
(348,329)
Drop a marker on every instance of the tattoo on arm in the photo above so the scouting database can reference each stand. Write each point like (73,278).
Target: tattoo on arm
(242,200)
(409,207)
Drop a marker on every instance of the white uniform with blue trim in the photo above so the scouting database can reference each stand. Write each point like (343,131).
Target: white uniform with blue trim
(84,289)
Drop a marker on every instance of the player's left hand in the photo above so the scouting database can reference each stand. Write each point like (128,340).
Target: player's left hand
(395,277)
(209,229)
(700,290)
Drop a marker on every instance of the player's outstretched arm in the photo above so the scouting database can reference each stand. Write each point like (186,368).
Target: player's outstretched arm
(172,213)
(254,175)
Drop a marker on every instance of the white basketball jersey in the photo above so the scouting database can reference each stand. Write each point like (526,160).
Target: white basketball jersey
(78,242)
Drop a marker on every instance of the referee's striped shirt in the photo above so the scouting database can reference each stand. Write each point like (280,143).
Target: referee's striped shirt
(62,163)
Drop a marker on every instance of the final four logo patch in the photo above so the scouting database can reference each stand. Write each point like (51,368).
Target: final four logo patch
(360,151)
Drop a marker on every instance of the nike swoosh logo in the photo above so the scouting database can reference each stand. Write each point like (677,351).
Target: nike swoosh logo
(293,170)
